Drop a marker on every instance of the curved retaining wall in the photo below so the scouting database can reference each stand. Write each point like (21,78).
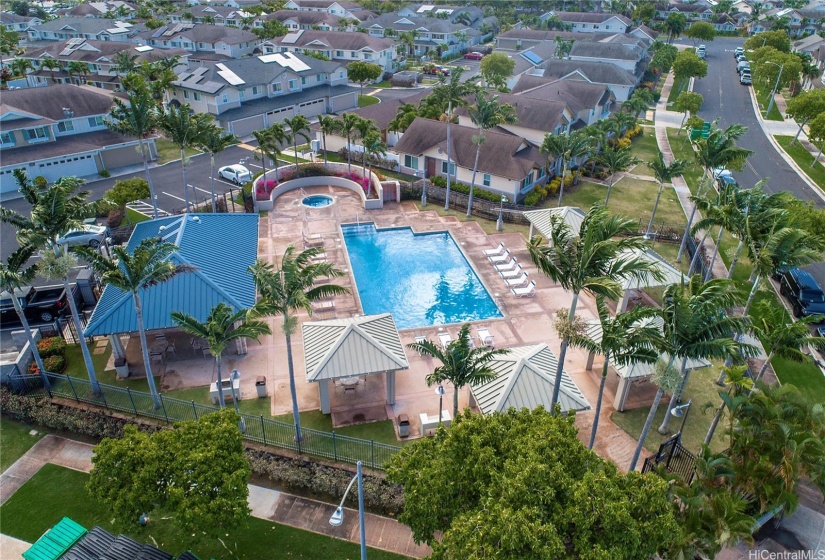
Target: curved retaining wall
(324,180)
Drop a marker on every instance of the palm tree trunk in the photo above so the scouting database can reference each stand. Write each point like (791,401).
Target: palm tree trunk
(675,397)
(455,401)
(221,401)
(364,162)
(369,180)
(472,182)
(715,252)
(150,379)
(816,159)
(714,423)
(646,429)
(84,348)
(185,186)
(449,154)
(655,206)
(735,260)
(598,404)
(696,256)
(764,367)
(149,179)
(32,344)
(349,156)
(295,148)
(690,221)
(292,390)
(212,184)
(324,139)
(562,354)
(609,188)
(561,185)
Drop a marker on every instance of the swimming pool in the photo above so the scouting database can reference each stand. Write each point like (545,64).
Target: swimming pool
(317,200)
(422,279)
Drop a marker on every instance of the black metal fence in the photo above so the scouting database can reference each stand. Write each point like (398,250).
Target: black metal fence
(675,458)
(327,445)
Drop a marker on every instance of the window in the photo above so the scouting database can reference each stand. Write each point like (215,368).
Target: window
(255,89)
(367,56)
(276,87)
(225,98)
(444,168)
(339,54)
(303,80)
(6,139)
(65,126)
(541,172)
(293,84)
(241,93)
(527,180)
(319,78)
(185,94)
(96,122)
(438,36)
(486,179)
(197,96)
(410,162)
(41,133)
(341,74)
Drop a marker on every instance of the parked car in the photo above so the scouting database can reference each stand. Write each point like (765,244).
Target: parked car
(804,294)
(474,56)
(738,51)
(435,69)
(701,52)
(90,234)
(745,78)
(726,180)
(743,65)
(39,304)
(236,173)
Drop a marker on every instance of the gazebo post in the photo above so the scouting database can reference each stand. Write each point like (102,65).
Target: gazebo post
(117,346)
(323,392)
(623,303)
(590,357)
(621,394)
(391,387)
(530,236)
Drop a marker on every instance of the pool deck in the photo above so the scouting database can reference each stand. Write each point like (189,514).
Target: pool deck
(525,321)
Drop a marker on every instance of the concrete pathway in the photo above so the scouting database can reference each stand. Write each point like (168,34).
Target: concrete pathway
(311,515)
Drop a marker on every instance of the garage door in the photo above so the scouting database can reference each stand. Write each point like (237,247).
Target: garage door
(76,165)
(312,108)
(244,127)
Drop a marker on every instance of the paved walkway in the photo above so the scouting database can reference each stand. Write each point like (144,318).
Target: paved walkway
(311,515)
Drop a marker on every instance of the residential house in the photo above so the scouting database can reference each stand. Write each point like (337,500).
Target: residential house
(12,22)
(531,60)
(96,29)
(631,58)
(725,23)
(295,20)
(251,93)
(795,20)
(692,12)
(471,16)
(337,45)
(201,38)
(217,15)
(432,34)
(590,22)
(340,8)
(106,9)
(813,45)
(742,6)
(101,58)
(524,38)
(236,4)
(60,130)
(509,165)
(588,102)
(644,33)
(620,82)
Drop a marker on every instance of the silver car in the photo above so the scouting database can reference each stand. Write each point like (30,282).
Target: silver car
(90,234)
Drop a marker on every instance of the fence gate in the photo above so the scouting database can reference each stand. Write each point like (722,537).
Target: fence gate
(676,459)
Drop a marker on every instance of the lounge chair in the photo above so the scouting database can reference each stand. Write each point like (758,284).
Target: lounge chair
(527,291)
(320,257)
(495,252)
(444,339)
(485,337)
(314,240)
(313,236)
(515,273)
(323,305)
(419,340)
(515,282)
(503,258)
(505,267)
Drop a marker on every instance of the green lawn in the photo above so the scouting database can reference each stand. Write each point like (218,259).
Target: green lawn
(55,492)
(249,405)
(803,159)
(15,440)
(763,97)
(168,151)
(134,217)
(380,432)
(645,148)
(77,368)
(679,85)
(367,100)
(682,149)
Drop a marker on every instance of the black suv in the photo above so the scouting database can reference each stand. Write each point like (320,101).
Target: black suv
(804,294)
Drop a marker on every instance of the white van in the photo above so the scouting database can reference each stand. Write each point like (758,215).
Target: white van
(743,64)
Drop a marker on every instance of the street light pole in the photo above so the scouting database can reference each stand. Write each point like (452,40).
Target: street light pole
(775,86)
(338,515)
(236,397)
(440,392)
(500,222)
(681,411)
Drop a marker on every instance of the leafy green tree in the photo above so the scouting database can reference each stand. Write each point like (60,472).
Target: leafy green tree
(784,337)
(805,107)
(724,209)
(496,68)
(565,147)
(700,31)
(486,114)
(185,129)
(213,141)
(663,59)
(289,288)
(9,41)
(615,160)
(404,117)
(816,134)
(461,363)
(198,470)
(373,147)
(688,65)
(139,117)
(776,39)
(688,102)
(593,260)
(563,47)
(363,73)
(328,124)
(766,65)
(125,191)
(664,173)
(271,29)
(20,67)
(222,326)
(519,484)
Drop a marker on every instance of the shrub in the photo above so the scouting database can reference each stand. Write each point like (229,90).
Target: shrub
(363,181)
(657,95)
(533,198)
(40,181)
(309,170)
(623,143)
(264,188)
(128,190)
(439,181)
(115,218)
(51,346)
(105,174)
(53,364)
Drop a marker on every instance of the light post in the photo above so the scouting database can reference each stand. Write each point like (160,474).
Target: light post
(775,86)
(236,376)
(500,222)
(681,411)
(338,515)
(440,392)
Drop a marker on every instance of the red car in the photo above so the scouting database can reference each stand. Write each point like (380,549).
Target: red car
(473,56)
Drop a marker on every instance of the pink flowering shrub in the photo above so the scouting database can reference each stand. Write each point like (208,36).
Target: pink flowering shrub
(264,188)
(363,181)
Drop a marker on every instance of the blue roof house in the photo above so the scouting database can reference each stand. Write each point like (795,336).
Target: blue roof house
(220,246)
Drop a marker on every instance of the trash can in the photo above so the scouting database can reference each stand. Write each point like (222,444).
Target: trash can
(121,368)
(260,386)
(403,425)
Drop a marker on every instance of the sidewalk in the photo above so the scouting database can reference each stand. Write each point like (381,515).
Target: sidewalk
(311,515)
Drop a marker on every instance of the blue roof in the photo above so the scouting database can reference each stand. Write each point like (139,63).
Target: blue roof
(221,246)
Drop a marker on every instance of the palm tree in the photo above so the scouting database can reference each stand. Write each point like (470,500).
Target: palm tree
(20,66)
(78,68)
(365,128)
(461,363)
(213,141)
(404,117)
(566,148)
(349,124)
(288,289)
(51,65)
(125,62)
(298,128)
(138,117)
(185,129)
(13,277)
(373,147)
(278,138)
(664,173)
(754,219)
(147,266)
(635,105)
(615,160)
(783,337)
(724,210)
(625,339)
(695,326)
(328,125)
(56,209)
(159,75)
(486,114)
(594,260)
(222,326)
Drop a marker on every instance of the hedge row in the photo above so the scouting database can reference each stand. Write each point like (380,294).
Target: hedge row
(464,188)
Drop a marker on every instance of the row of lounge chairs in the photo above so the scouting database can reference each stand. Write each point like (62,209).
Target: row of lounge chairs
(444,339)
(515,277)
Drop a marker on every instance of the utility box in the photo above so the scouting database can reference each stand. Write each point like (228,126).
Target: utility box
(121,368)
(86,283)
(260,386)
(403,425)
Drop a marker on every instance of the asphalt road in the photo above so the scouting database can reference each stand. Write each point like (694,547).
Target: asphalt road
(728,100)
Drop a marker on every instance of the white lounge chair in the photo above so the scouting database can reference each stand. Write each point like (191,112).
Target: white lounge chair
(495,252)
(313,236)
(320,257)
(527,291)
(515,282)
(485,337)
(515,273)
(444,339)
(419,340)
(508,265)
(503,258)
(323,305)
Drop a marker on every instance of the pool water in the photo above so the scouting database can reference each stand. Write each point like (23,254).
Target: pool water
(317,200)
(422,279)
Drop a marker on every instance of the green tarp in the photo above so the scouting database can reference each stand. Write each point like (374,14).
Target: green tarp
(56,541)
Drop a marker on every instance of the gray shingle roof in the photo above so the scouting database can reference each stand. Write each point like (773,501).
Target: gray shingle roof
(93,51)
(48,102)
(596,72)
(577,94)
(589,17)
(533,112)
(305,18)
(605,51)
(207,33)
(85,25)
(325,4)
(340,40)
(431,24)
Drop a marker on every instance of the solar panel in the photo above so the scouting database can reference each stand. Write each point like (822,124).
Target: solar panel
(143,48)
(160,32)
(75,41)
(267,58)
(291,38)
(295,63)
(231,77)
(532,57)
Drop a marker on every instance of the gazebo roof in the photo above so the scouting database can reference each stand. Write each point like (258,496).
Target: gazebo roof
(671,275)
(638,370)
(221,246)
(352,346)
(525,378)
(541,219)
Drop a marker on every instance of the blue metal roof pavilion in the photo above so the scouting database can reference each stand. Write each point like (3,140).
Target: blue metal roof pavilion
(221,246)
